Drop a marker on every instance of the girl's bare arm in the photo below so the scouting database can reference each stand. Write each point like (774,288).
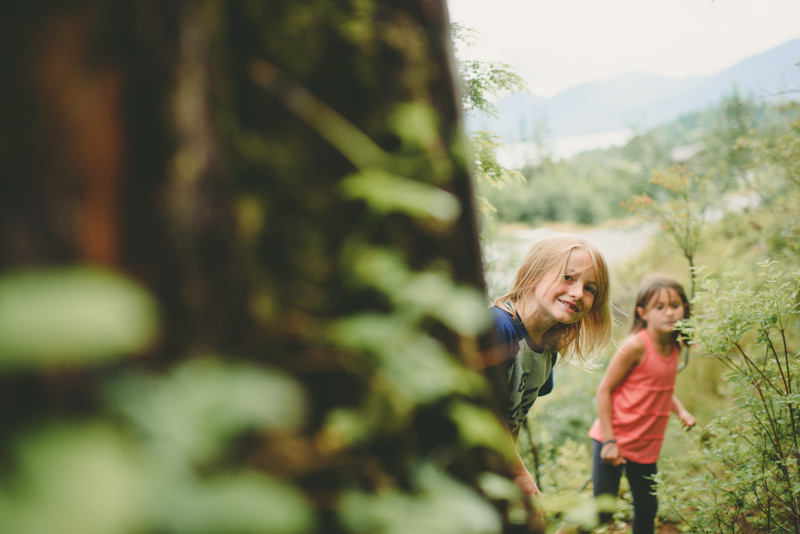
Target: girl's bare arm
(683,414)
(522,476)
(622,363)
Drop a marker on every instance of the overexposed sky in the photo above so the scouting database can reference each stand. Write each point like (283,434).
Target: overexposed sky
(555,44)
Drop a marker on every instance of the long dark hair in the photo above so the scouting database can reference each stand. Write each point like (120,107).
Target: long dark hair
(648,289)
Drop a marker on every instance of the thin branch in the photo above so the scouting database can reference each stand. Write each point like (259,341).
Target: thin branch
(754,366)
(778,362)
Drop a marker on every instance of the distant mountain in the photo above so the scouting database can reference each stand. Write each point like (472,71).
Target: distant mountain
(640,99)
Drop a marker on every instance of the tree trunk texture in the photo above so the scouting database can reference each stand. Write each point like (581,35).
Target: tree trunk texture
(188,146)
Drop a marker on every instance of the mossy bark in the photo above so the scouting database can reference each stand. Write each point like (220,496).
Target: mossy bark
(147,137)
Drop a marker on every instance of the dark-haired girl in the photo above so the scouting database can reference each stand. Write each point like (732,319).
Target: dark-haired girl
(635,398)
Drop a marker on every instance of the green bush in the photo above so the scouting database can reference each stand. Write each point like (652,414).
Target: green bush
(746,477)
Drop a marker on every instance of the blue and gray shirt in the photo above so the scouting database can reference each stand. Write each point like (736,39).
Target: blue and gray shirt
(521,374)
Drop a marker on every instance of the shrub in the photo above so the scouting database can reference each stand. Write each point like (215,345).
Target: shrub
(747,477)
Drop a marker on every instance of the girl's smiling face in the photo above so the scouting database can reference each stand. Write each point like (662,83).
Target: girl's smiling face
(570,297)
(663,310)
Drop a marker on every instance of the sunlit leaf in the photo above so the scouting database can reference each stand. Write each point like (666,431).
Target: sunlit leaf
(344,427)
(498,487)
(585,513)
(72,316)
(432,293)
(205,402)
(415,123)
(79,480)
(414,363)
(442,506)
(385,192)
(244,503)
(480,427)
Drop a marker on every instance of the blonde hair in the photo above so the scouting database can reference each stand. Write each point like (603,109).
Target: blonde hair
(545,263)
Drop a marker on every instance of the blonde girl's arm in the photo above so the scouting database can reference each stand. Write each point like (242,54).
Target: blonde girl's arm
(622,363)
(520,473)
(683,414)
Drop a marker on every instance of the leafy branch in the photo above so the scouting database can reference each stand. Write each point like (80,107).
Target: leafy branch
(752,454)
(682,214)
(481,80)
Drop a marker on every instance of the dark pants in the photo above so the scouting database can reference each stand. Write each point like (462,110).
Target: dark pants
(605,479)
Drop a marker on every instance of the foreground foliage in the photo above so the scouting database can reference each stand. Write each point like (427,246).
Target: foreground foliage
(285,295)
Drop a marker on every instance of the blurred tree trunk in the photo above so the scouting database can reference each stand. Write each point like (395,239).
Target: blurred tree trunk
(208,150)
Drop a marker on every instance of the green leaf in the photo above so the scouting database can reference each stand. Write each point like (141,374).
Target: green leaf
(585,513)
(415,123)
(385,192)
(441,506)
(207,401)
(461,308)
(244,503)
(480,427)
(72,316)
(415,364)
(73,480)
(346,427)
(498,487)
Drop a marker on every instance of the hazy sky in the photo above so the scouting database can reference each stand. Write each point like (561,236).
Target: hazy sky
(555,44)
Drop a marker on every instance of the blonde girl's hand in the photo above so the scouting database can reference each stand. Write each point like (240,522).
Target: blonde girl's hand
(687,419)
(611,454)
(525,481)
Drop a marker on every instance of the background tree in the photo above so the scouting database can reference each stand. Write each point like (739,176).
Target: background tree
(737,118)
(681,215)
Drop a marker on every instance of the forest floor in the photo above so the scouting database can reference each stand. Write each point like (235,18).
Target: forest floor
(662,528)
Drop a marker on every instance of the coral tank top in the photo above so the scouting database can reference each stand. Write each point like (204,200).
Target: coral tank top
(641,405)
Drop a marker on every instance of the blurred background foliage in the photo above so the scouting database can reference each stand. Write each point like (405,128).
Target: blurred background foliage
(241,287)
(601,180)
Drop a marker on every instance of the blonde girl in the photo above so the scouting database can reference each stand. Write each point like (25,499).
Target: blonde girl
(557,304)
(635,398)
